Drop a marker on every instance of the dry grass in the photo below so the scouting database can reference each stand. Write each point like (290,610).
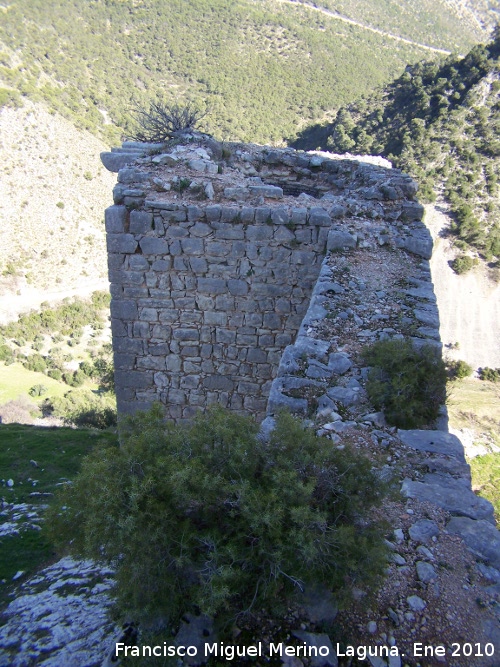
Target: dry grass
(474,404)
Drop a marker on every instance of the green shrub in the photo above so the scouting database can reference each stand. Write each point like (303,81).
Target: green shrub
(6,353)
(83,408)
(104,373)
(38,343)
(38,390)
(463,263)
(407,383)
(459,369)
(87,368)
(489,374)
(55,374)
(206,516)
(100,417)
(74,379)
(485,472)
(35,362)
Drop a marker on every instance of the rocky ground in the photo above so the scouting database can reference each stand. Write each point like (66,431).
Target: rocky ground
(435,594)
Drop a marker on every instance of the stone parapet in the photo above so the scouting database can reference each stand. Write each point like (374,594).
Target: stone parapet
(214,253)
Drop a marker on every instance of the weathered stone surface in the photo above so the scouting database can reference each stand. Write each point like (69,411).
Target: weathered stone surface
(165,158)
(340,240)
(141,222)
(197,631)
(237,192)
(452,495)
(212,285)
(116,161)
(115,219)
(271,191)
(339,363)
(153,246)
(311,347)
(124,310)
(425,572)
(481,537)
(411,211)
(318,216)
(344,395)
(124,243)
(220,382)
(424,530)
(416,603)
(431,318)
(319,604)
(278,400)
(433,441)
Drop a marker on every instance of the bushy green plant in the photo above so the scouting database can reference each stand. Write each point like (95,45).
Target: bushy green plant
(6,353)
(489,374)
(459,369)
(83,408)
(208,516)
(485,472)
(35,362)
(406,382)
(463,263)
(75,378)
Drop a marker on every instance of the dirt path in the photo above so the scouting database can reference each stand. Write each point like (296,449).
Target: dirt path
(12,305)
(469,305)
(345,19)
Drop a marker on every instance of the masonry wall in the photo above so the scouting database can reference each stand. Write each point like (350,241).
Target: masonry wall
(205,300)
(212,262)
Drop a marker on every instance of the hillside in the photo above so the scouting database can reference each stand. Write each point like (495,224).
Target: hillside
(440,122)
(262,67)
(53,191)
(448,24)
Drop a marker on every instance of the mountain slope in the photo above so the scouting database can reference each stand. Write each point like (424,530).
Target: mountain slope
(441,123)
(53,191)
(263,67)
(447,24)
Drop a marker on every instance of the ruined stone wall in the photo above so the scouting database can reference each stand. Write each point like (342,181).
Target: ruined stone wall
(213,256)
(205,300)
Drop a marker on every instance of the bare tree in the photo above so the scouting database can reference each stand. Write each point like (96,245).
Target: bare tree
(162,121)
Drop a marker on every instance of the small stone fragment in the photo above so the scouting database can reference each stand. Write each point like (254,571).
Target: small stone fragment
(424,530)
(416,603)
(425,572)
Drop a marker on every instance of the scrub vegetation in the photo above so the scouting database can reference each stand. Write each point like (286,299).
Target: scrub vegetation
(263,68)
(207,517)
(440,122)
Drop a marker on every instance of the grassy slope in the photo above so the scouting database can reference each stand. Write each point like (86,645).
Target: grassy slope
(475,405)
(57,453)
(262,67)
(16,381)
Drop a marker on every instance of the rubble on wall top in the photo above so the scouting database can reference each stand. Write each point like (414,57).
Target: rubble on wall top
(197,168)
